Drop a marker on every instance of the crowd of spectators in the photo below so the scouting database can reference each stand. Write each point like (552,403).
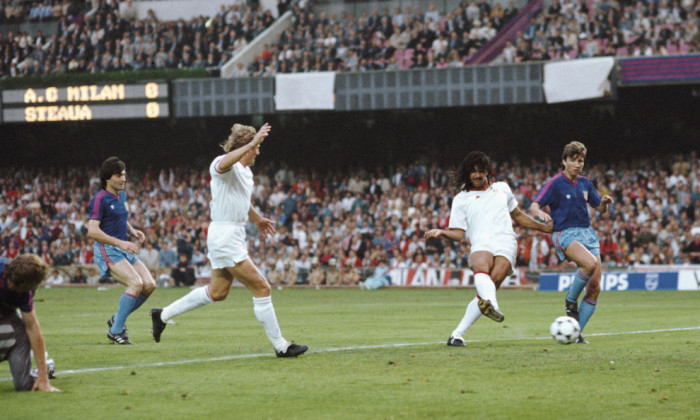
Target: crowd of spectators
(335,228)
(111,38)
(38,11)
(415,39)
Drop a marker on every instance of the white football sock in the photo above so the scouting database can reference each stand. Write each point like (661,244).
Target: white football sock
(470,316)
(265,313)
(192,300)
(485,288)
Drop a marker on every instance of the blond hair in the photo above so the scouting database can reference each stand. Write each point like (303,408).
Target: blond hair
(239,137)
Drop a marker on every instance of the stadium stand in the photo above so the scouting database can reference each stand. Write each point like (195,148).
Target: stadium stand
(110,38)
(341,221)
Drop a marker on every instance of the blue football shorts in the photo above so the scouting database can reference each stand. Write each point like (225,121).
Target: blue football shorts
(585,236)
(106,255)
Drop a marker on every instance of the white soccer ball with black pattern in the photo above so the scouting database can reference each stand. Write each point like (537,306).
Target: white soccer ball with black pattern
(565,330)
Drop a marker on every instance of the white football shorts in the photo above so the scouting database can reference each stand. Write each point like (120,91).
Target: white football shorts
(503,245)
(226,244)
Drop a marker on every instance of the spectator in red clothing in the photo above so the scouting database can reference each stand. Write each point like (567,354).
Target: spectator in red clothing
(609,246)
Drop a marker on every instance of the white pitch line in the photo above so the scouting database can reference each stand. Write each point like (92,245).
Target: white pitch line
(338,349)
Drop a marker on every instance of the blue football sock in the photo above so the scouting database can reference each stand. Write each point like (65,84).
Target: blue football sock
(139,301)
(585,311)
(580,282)
(126,306)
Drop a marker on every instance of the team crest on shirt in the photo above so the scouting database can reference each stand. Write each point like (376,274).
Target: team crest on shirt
(585,195)
(568,196)
(111,206)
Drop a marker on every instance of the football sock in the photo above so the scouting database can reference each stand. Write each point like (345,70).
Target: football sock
(265,313)
(485,288)
(139,301)
(585,311)
(470,316)
(579,283)
(126,306)
(193,300)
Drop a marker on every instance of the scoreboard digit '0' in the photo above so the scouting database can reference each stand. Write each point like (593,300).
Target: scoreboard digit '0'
(105,101)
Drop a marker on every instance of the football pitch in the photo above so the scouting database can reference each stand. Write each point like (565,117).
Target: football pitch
(373,354)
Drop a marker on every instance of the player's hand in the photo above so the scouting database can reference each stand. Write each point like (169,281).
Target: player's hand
(607,200)
(140,236)
(129,247)
(266,227)
(433,233)
(42,384)
(261,134)
(543,217)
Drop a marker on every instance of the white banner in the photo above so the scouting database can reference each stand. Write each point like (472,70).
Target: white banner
(689,280)
(304,91)
(577,79)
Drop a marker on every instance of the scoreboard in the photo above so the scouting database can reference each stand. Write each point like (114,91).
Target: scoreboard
(103,101)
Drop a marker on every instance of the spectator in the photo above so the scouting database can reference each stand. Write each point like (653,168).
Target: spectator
(78,277)
(54,279)
(183,273)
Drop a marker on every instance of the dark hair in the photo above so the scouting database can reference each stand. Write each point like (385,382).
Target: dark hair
(473,161)
(26,272)
(112,165)
(574,149)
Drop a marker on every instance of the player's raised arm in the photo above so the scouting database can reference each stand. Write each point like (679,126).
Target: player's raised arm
(236,153)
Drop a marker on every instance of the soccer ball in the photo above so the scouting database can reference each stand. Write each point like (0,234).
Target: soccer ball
(565,330)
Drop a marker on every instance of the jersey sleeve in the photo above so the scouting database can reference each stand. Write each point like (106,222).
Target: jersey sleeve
(544,197)
(458,216)
(214,170)
(28,305)
(95,208)
(512,201)
(593,196)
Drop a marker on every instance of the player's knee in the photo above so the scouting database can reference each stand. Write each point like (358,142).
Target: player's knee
(218,294)
(148,287)
(262,288)
(589,267)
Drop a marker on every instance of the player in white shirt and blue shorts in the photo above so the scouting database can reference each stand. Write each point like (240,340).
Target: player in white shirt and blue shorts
(485,212)
(231,189)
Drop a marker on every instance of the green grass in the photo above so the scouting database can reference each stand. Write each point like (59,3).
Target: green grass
(217,362)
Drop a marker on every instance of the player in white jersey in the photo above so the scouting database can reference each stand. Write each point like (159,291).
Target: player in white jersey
(485,212)
(231,190)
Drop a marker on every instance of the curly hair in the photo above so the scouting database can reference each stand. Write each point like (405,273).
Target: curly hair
(239,137)
(26,272)
(474,161)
